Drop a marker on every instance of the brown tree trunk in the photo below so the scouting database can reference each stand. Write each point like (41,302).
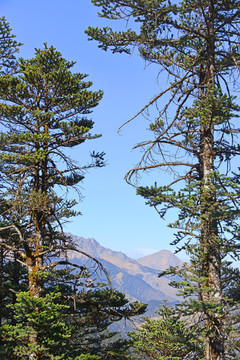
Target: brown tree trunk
(1,281)
(212,289)
(34,258)
(211,265)
(34,265)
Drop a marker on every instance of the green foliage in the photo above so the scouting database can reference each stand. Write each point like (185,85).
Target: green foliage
(168,337)
(195,136)
(40,318)
(66,325)
(44,111)
(8,48)
(86,357)
(13,279)
(48,308)
(92,311)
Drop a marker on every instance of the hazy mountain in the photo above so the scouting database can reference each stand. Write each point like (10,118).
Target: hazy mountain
(138,279)
(161,260)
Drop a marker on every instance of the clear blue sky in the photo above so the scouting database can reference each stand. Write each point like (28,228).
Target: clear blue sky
(112,213)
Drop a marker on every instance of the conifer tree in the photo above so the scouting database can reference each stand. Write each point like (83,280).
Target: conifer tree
(43,112)
(8,50)
(167,337)
(195,136)
(67,329)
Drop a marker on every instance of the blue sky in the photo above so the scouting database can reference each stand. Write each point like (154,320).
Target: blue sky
(112,213)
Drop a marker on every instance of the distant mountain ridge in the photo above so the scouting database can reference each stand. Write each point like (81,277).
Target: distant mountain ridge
(160,260)
(138,279)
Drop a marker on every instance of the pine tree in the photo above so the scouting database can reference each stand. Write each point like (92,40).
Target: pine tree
(96,310)
(43,112)
(167,337)
(8,50)
(57,315)
(68,324)
(92,307)
(195,136)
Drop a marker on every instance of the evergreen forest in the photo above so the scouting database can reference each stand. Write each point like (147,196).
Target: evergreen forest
(53,308)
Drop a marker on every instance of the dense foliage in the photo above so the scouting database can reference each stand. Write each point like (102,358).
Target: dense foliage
(167,337)
(40,111)
(49,309)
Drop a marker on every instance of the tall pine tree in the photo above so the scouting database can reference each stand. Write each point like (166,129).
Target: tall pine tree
(167,337)
(195,135)
(44,111)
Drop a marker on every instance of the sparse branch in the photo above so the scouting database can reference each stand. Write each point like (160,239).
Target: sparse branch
(173,86)
(197,44)
(153,166)
(62,262)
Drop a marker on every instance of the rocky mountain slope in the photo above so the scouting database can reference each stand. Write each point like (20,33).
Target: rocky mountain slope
(138,279)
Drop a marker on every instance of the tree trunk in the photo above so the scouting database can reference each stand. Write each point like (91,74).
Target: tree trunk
(211,263)
(210,247)
(1,281)
(34,264)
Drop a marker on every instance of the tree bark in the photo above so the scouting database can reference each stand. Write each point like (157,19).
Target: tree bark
(212,288)
(1,281)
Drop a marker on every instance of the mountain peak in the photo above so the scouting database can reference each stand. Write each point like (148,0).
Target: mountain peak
(160,260)
(138,279)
